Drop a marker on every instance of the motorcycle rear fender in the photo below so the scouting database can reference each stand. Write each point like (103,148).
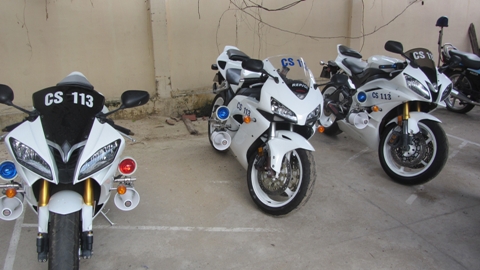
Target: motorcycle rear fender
(416,117)
(284,142)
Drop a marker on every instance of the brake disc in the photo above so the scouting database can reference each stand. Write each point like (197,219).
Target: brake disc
(273,185)
(414,155)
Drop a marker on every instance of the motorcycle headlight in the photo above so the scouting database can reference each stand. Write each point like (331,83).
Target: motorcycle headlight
(282,111)
(447,92)
(313,116)
(417,87)
(101,159)
(28,158)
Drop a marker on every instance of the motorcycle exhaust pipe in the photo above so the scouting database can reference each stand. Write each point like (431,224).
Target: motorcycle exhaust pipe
(11,208)
(358,119)
(463,98)
(221,140)
(127,201)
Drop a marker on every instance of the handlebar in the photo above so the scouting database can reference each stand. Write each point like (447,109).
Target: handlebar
(123,130)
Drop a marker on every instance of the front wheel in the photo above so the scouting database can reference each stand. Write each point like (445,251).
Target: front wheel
(290,190)
(64,231)
(427,154)
(464,87)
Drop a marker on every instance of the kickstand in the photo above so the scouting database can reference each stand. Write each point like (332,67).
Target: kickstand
(105,216)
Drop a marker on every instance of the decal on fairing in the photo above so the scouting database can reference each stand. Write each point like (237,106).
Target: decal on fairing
(292,62)
(385,96)
(243,109)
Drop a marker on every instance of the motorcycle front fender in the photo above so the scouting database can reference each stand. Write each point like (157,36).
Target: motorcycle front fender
(416,117)
(284,142)
(65,202)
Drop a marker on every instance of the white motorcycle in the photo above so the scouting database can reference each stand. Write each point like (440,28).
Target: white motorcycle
(265,112)
(67,154)
(386,105)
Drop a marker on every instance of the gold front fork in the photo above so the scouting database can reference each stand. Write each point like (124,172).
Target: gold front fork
(88,192)
(44,194)
(406,111)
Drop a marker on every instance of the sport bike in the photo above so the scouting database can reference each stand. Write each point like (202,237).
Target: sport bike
(385,104)
(67,155)
(265,112)
(465,76)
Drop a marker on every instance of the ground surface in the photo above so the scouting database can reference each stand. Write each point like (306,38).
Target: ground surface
(196,212)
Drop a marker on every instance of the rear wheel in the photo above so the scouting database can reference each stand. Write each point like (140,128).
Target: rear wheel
(464,87)
(327,118)
(64,231)
(287,192)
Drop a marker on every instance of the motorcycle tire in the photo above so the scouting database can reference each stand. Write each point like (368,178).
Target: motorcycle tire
(219,100)
(432,162)
(465,86)
(327,116)
(289,197)
(64,232)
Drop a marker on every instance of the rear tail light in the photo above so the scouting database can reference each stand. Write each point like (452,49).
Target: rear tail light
(127,166)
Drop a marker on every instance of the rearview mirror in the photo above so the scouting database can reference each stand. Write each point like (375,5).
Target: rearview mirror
(6,94)
(253,65)
(134,98)
(394,47)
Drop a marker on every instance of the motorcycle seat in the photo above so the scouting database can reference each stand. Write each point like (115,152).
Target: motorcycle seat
(233,75)
(236,55)
(349,52)
(250,92)
(368,75)
(75,79)
(355,67)
(468,60)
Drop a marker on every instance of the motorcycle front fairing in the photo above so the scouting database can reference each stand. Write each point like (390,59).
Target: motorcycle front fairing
(53,146)
(305,105)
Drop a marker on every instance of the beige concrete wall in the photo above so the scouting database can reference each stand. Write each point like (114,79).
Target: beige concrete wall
(167,46)
(43,41)
(416,26)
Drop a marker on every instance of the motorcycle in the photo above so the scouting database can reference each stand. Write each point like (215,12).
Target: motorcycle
(385,104)
(67,153)
(265,112)
(465,76)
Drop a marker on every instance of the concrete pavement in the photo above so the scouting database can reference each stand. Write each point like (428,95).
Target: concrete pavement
(196,213)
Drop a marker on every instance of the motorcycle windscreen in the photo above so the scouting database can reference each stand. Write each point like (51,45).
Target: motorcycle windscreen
(294,72)
(424,59)
(67,112)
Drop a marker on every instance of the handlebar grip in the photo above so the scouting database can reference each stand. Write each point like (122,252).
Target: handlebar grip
(122,129)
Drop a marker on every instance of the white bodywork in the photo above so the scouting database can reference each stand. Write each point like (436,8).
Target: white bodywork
(387,95)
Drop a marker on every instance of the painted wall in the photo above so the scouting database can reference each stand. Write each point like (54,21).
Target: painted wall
(167,46)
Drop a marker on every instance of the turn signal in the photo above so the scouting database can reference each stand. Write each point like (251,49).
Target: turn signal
(10,192)
(121,189)
(127,166)
(375,108)
(321,129)
(247,119)
(260,151)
